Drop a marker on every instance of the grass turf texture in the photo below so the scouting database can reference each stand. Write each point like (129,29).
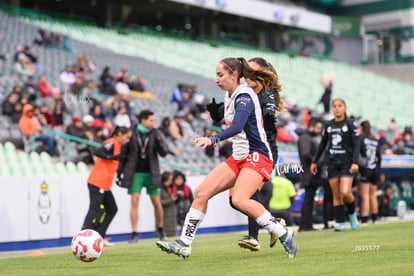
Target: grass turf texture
(382,249)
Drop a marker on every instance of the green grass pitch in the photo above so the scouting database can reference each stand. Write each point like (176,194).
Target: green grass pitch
(383,249)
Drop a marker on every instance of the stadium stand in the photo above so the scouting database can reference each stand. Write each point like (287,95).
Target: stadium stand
(165,61)
(300,75)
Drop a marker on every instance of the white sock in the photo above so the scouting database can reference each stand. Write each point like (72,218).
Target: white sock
(266,221)
(192,220)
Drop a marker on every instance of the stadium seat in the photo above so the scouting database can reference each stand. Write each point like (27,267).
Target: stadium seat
(9,149)
(82,168)
(60,169)
(34,158)
(71,168)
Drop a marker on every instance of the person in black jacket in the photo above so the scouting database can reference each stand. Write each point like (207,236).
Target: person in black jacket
(268,92)
(140,168)
(326,97)
(307,147)
(342,139)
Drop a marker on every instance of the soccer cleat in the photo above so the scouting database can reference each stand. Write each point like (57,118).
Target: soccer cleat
(340,227)
(177,247)
(289,243)
(249,243)
(107,243)
(354,222)
(134,238)
(273,237)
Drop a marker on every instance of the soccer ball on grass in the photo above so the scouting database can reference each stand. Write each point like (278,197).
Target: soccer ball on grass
(87,245)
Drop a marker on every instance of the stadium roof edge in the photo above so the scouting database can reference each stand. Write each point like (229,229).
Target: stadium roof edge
(293,16)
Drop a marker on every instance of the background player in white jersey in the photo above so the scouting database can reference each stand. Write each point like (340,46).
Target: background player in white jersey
(248,167)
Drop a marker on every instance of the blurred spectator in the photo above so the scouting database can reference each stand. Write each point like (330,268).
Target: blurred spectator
(45,89)
(177,93)
(57,107)
(165,127)
(98,113)
(31,88)
(176,129)
(188,124)
(40,37)
(186,102)
(407,137)
(107,82)
(45,116)
(25,60)
(386,149)
(223,149)
(137,84)
(84,63)
(29,125)
(122,74)
(282,134)
(66,77)
(7,107)
(393,128)
(76,129)
(40,117)
(77,86)
(282,198)
(66,45)
(184,197)
(168,204)
(400,150)
(380,135)
(122,115)
(385,209)
(17,113)
(326,98)
(307,147)
(92,131)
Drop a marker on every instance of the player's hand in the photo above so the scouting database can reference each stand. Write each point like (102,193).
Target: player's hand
(202,142)
(119,178)
(354,168)
(314,168)
(216,110)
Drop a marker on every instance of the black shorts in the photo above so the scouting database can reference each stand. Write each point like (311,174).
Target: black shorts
(339,171)
(368,175)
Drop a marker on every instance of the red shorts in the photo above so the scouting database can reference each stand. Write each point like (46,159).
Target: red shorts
(255,161)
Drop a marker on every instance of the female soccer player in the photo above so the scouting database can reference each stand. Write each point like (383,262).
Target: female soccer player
(100,181)
(342,139)
(245,171)
(268,91)
(369,169)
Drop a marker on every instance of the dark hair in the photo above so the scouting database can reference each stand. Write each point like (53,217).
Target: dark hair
(366,129)
(120,129)
(165,175)
(144,114)
(244,70)
(272,83)
(313,122)
(178,173)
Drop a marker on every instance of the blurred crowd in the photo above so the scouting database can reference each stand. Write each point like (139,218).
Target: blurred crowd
(88,107)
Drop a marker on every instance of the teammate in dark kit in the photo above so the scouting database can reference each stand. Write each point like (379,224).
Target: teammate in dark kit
(342,139)
(369,165)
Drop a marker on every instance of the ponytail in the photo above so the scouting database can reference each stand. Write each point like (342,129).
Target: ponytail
(120,129)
